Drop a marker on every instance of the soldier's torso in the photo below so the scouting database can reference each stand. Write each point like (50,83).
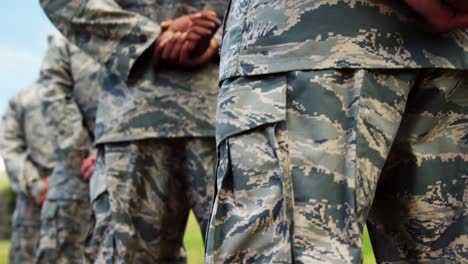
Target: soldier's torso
(163,102)
(268,36)
(86,84)
(39,146)
(160,10)
(85,89)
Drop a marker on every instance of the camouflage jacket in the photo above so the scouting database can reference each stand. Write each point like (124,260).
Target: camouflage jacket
(157,102)
(269,36)
(69,102)
(24,143)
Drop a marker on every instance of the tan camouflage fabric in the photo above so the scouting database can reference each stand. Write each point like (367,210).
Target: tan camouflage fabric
(69,101)
(157,181)
(270,36)
(158,103)
(305,155)
(28,156)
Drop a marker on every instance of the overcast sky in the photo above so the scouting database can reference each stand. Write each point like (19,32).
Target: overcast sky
(24,28)
(23,41)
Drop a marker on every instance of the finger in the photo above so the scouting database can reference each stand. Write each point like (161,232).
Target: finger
(174,56)
(185,52)
(206,23)
(439,14)
(210,52)
(166,52)
(156,55)
(210,14)
(192,36)
(165,36)
(203,32)
(166,24)
(89,172)
(205,14)
(459,5)
(159,45)
(85,167)
(157,51)
(460,21)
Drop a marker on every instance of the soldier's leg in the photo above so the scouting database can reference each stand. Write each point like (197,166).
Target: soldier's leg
(299,190)
(25,232)
(420,209)
(147,203)
(65,225)
(99,197)
(200,160)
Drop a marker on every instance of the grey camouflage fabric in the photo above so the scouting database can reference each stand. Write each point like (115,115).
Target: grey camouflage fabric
(25,231)
(24,142)
(302,155)
(322,107)
(28,155)
(158,103)
(271,36)
(69,103)
(146,224)
(65,228)
(141,104)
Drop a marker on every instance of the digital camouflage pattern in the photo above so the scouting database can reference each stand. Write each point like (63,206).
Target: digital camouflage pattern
(24,143)
(25,231)
(305,130)
(65,227)
(270,36)
(142,102)
(158,103)
(147,224)
(69,102)
(28,156)
(303,153)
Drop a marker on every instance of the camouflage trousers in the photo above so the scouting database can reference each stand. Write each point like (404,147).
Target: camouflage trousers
(142,193)
(307,157)
(25,231)
(65,228)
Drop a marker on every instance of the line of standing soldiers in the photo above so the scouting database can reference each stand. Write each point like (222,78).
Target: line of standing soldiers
(321,126)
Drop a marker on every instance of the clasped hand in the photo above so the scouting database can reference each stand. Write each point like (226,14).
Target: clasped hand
(443,15)
(187,40)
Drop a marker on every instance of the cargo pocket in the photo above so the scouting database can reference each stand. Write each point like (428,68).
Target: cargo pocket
(251,210)
(48,235)
(254,165)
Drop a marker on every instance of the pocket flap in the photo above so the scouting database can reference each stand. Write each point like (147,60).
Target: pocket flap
(249,102)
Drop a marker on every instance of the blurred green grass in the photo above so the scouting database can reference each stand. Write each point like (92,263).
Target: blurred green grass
(4,183)
(4,247)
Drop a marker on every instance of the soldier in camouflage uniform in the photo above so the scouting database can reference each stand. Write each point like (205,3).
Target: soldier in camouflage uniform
(157,135)
(335,112)
(69,102)
(28,156)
